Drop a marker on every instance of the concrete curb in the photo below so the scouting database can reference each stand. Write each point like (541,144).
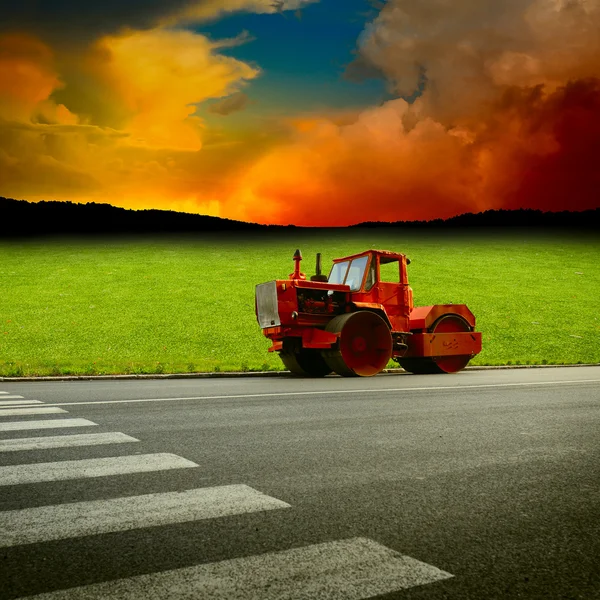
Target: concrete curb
(253,373)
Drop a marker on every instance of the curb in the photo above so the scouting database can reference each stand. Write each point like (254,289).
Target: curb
(253,374)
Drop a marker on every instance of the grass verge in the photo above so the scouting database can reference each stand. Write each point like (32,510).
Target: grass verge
(186,304)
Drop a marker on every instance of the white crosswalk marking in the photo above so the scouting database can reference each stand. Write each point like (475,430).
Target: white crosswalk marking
(353,569)
(46,424)
(64,441)
(42,410)
(343,570)
(63,521)
(91,467)
(18,402)
(3,392)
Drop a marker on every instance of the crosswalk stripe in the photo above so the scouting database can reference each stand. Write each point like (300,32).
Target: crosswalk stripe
(343,570)
(19,402)
(34,525)
(3,392)
(10,397)
(46,424)
(64,441)
(91,467)
(42,410)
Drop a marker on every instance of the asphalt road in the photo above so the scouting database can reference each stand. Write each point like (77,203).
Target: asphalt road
(484,484)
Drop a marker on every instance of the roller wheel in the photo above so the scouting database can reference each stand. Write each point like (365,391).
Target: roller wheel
(442,364)
(304,362)
(364,347)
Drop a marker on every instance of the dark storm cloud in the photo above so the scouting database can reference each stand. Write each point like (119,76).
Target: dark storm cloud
(84,21)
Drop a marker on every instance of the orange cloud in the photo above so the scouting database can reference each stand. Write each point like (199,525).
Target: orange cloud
(377,168)
(160,75)
(27,75)
(201,10)
(509,117)
(151,82)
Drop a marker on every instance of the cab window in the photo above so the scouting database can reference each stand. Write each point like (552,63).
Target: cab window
(338,272)
(349,272)
(371,276)
(356,273)
(389,270)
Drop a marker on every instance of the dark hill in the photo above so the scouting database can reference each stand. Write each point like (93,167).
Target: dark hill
(587,219)
(21,218)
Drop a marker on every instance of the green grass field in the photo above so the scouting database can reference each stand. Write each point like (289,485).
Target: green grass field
(187,304)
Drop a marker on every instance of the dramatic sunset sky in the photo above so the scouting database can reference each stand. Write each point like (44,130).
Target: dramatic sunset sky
(312,112)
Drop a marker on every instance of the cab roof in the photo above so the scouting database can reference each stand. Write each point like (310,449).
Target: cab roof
(386,256)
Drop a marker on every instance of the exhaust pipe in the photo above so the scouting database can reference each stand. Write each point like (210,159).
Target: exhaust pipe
(318,276)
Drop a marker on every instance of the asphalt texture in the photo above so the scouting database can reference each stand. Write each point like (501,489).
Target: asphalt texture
(492,477)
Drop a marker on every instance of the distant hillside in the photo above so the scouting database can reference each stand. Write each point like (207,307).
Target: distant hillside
(588,219)
(22,218)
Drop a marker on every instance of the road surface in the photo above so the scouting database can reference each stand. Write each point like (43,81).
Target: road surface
(483,484)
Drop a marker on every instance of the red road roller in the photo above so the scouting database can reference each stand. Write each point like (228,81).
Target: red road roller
(353,322)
